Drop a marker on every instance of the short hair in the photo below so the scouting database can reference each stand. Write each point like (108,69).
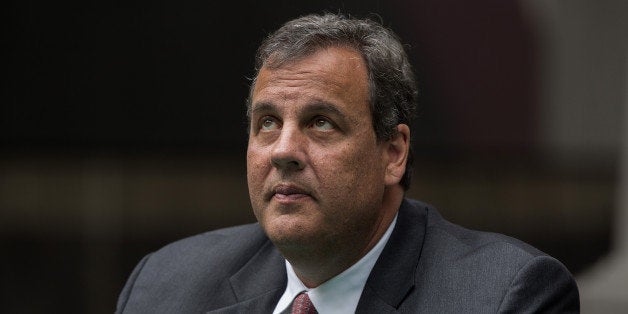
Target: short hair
(392,85)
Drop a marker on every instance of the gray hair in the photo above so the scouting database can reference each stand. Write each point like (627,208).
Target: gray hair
(392,85)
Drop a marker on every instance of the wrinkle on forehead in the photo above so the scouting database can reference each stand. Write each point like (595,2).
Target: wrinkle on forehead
(334,69)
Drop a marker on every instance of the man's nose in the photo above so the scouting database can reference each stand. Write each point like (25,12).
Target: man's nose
(288,151)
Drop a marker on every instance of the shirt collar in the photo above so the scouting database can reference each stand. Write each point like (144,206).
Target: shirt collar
(341,293)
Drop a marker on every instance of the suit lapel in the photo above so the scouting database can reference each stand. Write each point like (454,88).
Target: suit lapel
(393,276)
(259,284)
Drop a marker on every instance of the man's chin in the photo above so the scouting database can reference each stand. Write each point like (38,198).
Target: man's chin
(289,231)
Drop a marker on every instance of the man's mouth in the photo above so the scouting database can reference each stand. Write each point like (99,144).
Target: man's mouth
(288,193)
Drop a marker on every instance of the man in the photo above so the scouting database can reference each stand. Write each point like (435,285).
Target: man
(327,166)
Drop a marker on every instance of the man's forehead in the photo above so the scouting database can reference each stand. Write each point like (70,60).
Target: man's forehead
(280,58)
(336,67)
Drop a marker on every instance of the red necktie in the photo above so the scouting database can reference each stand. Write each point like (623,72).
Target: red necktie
(303,305)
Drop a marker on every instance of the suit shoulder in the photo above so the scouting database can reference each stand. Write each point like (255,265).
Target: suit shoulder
(493,271)
(215,254)
(192,273)
(222,245)
(459,248)
(469,241)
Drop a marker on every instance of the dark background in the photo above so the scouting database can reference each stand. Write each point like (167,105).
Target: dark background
(122,128)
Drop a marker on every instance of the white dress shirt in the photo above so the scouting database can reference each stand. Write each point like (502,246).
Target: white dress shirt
(341,293)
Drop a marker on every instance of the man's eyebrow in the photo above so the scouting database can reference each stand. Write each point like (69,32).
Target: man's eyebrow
(263,107)
(317,106)
(323,107)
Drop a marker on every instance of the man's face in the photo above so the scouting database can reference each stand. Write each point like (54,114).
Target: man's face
(315,168)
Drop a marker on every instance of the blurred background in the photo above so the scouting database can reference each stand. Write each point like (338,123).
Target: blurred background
(122,129)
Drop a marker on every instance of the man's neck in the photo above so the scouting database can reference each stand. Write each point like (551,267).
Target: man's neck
(315,266)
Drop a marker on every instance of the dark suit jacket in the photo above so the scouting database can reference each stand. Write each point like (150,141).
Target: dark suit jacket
(428,266)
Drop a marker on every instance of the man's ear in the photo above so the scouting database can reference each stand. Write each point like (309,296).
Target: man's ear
(397,155)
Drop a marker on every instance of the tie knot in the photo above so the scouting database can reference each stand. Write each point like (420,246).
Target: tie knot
(303,305)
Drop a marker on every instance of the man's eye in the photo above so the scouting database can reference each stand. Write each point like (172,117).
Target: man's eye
(268,124)
(322,124)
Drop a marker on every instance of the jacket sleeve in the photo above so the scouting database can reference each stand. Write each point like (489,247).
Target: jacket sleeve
(128,287)
(543,285)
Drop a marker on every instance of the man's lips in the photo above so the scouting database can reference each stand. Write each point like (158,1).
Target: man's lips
(289,192)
